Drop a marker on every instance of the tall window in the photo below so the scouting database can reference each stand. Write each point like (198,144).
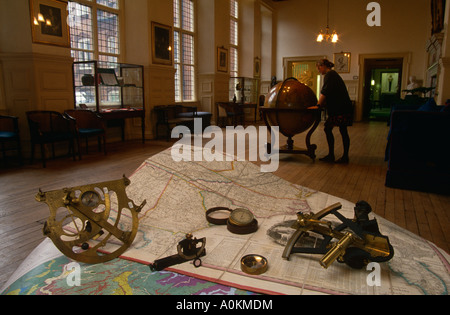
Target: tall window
(94,35)
(94,30)
(184,49)
(234,39)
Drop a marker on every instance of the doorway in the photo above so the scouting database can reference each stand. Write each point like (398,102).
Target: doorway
(382,87)
(382,79)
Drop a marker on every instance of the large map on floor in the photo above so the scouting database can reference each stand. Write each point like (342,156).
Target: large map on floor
(179,193)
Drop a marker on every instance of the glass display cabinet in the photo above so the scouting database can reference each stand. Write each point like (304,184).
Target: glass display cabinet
(105,86)
(114,90)
(243,96)
(243,90)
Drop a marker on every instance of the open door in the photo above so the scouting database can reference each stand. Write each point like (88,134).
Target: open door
(373,69)
(382,86)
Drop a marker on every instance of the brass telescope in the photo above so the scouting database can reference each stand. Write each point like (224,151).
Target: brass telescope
(359,240)
(337,251)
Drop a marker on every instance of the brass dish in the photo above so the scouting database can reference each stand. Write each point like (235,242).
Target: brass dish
(254,264)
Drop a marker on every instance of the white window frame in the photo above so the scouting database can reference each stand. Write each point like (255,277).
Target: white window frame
(95,45)
(234,46)
(179,88)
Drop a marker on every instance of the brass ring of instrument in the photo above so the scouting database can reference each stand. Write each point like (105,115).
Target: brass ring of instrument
(254,264)
(217,221)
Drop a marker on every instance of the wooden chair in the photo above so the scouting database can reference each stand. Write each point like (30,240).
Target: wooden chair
(9,132)
(261,102)
(50,127)
(167,116)
(231,110)
(89,124)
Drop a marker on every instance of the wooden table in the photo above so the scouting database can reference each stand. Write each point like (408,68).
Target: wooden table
(236,110)
(120,114)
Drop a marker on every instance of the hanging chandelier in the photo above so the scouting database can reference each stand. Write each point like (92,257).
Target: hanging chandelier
(333,37)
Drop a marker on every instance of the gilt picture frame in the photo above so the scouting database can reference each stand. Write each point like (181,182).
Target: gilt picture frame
(49,22)
(437,15)
(342,62)
(162,43)
(257,67)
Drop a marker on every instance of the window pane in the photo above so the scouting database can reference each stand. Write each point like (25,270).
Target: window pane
(108,32)
(234,32)
(184,52)
(234,8)
(188,83)
(187,15)
(188,49)
(79,55)
(234,38)
(176,49)
(81,35)
(108,62)
(233,61)
(177,83)
(176,13)
(114,4)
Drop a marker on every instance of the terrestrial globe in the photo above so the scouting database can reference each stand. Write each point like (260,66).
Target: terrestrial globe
(292,107)
(288,106)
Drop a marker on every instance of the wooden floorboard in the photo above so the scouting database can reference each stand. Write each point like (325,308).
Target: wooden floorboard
(22,218)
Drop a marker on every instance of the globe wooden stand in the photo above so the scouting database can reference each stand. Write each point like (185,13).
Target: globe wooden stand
(292,112)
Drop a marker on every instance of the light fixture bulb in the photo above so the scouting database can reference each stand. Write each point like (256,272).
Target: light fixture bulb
(327,37)
(320,37)
(41,17)
(335,38)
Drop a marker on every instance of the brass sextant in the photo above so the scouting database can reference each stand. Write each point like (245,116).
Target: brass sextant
(84,219)
(358,241)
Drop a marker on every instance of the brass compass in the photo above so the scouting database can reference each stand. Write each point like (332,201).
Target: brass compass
(241,217)
(90,199)
(239,221)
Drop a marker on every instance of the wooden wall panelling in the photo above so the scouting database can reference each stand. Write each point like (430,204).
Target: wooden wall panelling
(35,82)
(161,91)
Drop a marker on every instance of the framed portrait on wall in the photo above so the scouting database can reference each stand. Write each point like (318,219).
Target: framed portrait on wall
(222,59)
(49,22)
(161,44)
(342,62)
(437,15)
(389,82)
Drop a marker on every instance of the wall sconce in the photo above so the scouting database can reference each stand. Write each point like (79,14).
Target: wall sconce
(40,19)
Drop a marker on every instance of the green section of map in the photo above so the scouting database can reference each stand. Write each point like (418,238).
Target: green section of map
(61,276)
